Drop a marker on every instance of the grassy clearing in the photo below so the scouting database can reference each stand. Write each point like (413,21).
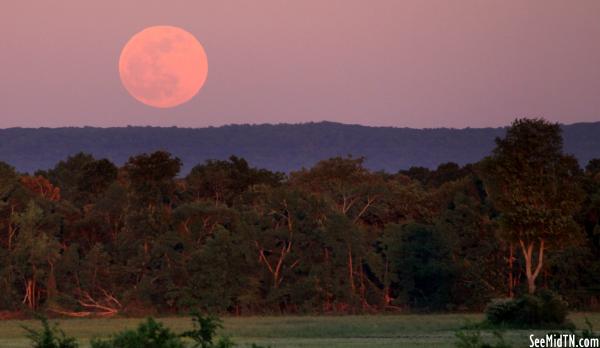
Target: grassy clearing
(436,330)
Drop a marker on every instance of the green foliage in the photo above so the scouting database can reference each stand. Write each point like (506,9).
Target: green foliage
(471,236)
(502,310)
(444,173)
(153,334)
(220,289)
(553,309)
(204,331)
(335,237)
(150,177)
(422,265)
(535,186)
(49,337)
(532,183)
(228,181)
(543,310)
(150,334)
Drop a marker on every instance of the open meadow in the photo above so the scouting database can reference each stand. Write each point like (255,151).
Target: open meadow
(411,330)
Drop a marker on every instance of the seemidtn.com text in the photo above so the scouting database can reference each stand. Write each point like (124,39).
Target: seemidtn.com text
(563,341)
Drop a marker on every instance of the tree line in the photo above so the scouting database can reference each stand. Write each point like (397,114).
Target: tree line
(88,238)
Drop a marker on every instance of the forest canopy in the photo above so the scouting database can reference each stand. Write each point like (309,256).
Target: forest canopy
(88,237)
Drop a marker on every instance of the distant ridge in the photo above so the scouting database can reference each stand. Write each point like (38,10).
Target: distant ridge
(282,147)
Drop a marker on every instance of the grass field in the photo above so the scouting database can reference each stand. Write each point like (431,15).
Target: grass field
(304,331)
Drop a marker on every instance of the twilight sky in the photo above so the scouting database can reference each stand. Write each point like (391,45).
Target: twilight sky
(405,63)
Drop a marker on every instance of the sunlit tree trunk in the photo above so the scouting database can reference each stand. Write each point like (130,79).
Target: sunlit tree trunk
(531,271)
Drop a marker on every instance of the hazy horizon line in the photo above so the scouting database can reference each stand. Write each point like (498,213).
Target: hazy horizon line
(285,124)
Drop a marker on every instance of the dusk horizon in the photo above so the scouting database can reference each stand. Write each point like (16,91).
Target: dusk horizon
(324,121)
(299,173)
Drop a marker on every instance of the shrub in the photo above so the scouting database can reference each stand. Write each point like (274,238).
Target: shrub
(49,337)
(502,310)
(543,310)
(205,328)
(554,308)
(150,334)
(529,310)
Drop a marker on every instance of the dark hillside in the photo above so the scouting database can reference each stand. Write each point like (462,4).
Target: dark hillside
(282,147)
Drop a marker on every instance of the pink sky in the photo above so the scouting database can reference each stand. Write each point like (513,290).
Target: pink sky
(382,62)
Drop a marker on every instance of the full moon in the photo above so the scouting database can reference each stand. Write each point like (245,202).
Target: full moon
(163,66)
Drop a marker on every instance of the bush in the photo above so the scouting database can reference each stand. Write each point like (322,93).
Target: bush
(152,334)
(501,310)
(543,310)
(554,308)
(149,334)
(49,337)
(205,328)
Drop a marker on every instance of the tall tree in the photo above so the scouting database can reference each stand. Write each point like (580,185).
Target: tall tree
(147,244)
(35,253)
(354,193)
(535,187)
